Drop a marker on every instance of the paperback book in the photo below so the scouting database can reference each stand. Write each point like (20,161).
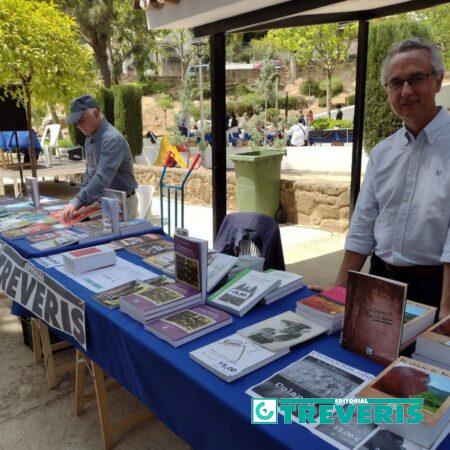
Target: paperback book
(110,215)
(138,240)
(243,292)
(121,197)
(32,230)
(53,235)
(165,262)
(246,262)
(373,318)
(86,212)
(433,345)
(87,259)
(111,297)
(132,226)
(219,265)
(282,331)
(288,283)
(233,357)
(144,250)
(32,186)
(417,318)
(188,324)
(407,378)
(58,242)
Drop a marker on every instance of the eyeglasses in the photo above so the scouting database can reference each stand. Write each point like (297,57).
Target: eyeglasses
(417,79)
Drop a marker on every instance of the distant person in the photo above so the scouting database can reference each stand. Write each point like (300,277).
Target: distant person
(109,163)
(233,124)
(309,118)
(301,118)
(339,113)
(183,125)
(298,133)
(152,137)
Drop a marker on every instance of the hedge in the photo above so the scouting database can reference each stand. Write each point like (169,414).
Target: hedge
(379,120)
(128,114)
(318,88)
(152,86)
(105,99)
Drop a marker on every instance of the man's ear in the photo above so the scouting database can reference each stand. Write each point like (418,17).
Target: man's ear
(439,82)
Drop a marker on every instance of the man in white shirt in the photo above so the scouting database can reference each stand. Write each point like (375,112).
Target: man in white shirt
(298,133)
(402,215)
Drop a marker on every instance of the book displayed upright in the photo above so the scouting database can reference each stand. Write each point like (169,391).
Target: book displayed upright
(407,378)
(243,292)
(32,185)
(121,197)
(373,318)
(110,215)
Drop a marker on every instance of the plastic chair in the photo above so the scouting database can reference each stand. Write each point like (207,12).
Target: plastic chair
(51,132)
(245,233)
(145,195)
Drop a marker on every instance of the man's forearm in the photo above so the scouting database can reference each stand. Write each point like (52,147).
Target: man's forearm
(445,300)
(351,261)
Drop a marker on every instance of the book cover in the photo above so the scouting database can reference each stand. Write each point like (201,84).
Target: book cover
(84,212)
(188,321)
(53,235)
(54,243)
(243,291)
(164,262)
(191,262)
(32,186)
(152,248)
(408,378)
(282,331)
(33,229)
(373,320)
(121,197)
(219,265)
(322,305)
(336,293)
(439,332)
(138,240)
(110,215)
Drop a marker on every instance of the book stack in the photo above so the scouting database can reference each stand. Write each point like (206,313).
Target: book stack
(165,262)
(87,259)
(132,226)
(144,250)
(243,292)
(138,240)
(288,283)
(325,308)
(189,288)
(219,265)
(407,378)
(234,356)
(93,211)
(188,324)
(32,230)
(433,345)
(92,231)
(417,318)
(246,262)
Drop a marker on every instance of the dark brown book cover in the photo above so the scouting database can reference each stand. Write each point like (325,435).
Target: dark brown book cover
(373,318)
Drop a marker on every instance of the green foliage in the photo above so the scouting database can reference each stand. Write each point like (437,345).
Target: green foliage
(241,89)
(164,101)
(322,102)
(152,86)
(76,136)
(318,89)
(128,114)
(206,92)
(273,115)
(350,99)
(379,120)
(64,143)
(325,123)
(105,99)
(294,102)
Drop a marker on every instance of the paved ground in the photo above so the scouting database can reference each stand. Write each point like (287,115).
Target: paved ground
(35,417)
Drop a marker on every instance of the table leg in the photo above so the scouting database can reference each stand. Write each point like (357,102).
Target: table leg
(37,345)
(16,187)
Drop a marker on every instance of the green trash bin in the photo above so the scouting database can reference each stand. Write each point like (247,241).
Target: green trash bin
(258,180)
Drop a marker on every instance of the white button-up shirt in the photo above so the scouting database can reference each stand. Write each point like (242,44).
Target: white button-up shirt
(403,209)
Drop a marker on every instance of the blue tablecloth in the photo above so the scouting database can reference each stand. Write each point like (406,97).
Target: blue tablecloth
(328,136)
(24,248)
(201,408)
(8,142)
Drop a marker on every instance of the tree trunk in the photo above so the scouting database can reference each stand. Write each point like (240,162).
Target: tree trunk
(293,67)
(31,148)
(165,119)
(55,118)
(99,45)
(329,92)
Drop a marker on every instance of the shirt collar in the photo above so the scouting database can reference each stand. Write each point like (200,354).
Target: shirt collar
(432,130)
(99,131)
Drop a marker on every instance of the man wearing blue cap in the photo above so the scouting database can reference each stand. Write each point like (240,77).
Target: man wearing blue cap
(109,163)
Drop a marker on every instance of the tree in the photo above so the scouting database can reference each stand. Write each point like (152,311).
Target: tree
(179,41)
(265,86)
(438,20)
(325,46)
(165,102)
(379,120)
(41,57)
(95,18)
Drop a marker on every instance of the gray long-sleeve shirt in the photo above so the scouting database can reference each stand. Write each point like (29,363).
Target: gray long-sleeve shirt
(109,164)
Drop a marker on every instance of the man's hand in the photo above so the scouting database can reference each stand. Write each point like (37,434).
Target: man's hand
(70,212)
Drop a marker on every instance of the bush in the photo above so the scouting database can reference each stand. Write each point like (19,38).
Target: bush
(105,99)
(273,115)
(76,136)
(206,92)
(325,123)
(311,87)
(128,114)
(294,102)
(322,102)
(241,89)
(379,120)
(350,99)
(319,88)
(152,86)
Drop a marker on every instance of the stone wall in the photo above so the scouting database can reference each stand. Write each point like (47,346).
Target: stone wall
(318,202)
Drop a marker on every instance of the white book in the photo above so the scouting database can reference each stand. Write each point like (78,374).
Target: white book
(417,318)
(282,331)
(233,357)
(243,292)
(434,343)
(433,362)
(87,259)
(110,215)
(219,265)
(289,283)
(32,186)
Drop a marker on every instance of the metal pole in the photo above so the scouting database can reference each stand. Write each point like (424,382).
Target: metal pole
(202,114)
(358,127)
(218,116)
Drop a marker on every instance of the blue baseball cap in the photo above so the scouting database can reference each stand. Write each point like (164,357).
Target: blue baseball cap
(79,105)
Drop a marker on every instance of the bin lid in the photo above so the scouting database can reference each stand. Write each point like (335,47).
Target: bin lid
(257,155)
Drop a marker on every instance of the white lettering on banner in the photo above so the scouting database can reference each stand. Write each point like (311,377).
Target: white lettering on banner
(41,294)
